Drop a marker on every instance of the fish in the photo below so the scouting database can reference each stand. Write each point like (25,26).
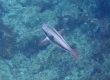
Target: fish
(54,36)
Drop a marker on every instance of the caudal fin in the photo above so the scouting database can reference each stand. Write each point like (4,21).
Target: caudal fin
(74,53)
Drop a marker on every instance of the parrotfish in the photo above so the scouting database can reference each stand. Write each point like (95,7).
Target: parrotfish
(54,36)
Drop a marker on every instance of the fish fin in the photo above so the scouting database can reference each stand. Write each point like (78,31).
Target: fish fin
(44,40)
(74,53)
(61,31)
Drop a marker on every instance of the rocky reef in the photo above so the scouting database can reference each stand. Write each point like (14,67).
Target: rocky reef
(7,41)
(86,27)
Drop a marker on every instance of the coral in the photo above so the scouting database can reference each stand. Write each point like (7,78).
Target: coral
(7,41)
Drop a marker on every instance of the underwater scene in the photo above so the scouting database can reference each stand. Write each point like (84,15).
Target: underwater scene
(54,39)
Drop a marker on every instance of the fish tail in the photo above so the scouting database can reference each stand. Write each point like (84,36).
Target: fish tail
(74,53)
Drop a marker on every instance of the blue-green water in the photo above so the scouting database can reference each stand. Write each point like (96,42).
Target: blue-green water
(86,27)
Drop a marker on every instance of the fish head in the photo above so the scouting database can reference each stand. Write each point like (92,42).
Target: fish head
(47,30)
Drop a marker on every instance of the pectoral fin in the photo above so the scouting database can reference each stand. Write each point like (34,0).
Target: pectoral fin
(46,39)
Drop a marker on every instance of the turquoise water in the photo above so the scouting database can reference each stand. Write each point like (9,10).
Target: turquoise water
(86,28)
